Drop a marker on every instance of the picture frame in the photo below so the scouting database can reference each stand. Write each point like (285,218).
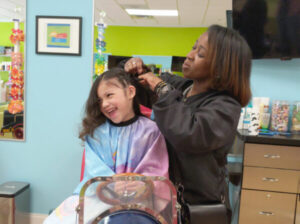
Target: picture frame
(59,35)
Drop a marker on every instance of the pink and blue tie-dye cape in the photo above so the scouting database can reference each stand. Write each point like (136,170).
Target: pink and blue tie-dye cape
(138,147)
(135,148)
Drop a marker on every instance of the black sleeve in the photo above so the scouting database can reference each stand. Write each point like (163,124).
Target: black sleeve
(176,81)
(209,128)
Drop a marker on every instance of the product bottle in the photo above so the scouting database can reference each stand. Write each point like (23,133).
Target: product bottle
(241,120)
(2,92)
(247,115)
(280,116)
(296,118)
(1,84)
(253,128)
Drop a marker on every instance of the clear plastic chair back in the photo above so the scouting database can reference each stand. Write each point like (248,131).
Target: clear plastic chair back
(127,200)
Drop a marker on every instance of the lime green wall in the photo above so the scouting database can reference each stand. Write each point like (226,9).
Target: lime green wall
(4,74)
(5,28)
(6,31)
(165,41)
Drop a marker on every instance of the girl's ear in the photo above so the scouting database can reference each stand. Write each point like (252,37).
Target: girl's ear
(131,91)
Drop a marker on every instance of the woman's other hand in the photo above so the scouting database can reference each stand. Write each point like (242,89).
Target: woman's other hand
(134,66)
(149,79)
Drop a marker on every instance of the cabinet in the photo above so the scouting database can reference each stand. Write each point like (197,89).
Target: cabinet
(270,186)
(14,203)
(297,221)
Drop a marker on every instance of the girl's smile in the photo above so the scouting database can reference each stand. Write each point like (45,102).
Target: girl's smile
(116,102)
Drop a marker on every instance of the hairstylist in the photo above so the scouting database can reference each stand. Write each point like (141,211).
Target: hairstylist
(198,114)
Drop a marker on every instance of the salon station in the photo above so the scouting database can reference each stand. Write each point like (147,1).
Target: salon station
(51,52)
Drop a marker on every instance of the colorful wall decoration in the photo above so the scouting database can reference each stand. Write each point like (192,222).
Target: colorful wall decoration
(100,59)
(58,35)
(12,106)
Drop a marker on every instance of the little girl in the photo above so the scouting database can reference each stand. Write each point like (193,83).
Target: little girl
(118,138)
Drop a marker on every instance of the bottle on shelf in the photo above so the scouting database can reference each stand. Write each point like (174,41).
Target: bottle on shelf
(295,128)
(280,116)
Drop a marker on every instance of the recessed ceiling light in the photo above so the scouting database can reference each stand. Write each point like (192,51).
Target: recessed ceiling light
(152,12)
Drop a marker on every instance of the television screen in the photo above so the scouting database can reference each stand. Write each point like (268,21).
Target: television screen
(114,60)
(177,62)
(271,27)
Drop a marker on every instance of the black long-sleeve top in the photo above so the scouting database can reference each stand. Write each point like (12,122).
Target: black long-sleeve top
(199,131)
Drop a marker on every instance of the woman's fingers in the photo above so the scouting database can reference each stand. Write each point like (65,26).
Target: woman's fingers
(143,82)
(139,66)
(129,67)
(134,65)
(149,79)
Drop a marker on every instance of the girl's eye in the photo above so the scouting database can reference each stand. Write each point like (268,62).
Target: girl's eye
(109,95)
(200,54)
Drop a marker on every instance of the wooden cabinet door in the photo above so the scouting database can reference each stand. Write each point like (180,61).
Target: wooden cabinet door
(298,210)
(268,179)
(263,207)
(6,210)
(273,156)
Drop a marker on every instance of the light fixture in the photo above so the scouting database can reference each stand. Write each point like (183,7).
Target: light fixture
(151,12)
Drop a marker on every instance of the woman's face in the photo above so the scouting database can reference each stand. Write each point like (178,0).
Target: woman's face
(116,102)
(195,65)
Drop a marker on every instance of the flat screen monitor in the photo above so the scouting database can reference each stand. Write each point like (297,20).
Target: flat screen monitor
(271,27)
(114,60)
(177,62)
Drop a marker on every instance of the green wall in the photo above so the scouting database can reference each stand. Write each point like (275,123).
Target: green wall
(6,31)
(163,41)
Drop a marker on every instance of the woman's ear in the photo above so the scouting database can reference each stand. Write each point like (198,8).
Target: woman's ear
(131,91)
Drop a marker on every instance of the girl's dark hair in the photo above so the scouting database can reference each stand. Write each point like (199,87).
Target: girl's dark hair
(230,62)
(93,115)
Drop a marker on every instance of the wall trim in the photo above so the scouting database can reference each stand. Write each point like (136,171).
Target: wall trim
(36,218)
(30,218)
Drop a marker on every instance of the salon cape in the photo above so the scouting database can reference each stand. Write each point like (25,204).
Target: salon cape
(136,146)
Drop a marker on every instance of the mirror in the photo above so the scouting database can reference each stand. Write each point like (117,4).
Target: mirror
(161,41)
(12,69)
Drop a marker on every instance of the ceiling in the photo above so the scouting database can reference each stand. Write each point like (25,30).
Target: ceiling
(12,9)
(191,13)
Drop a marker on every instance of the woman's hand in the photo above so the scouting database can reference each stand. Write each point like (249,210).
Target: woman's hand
(134,66)
(149,79)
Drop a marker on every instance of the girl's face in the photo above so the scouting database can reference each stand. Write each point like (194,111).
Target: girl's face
(116,102)
(195,65)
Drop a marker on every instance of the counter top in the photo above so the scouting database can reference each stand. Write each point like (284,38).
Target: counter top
(12,189)
(293,140)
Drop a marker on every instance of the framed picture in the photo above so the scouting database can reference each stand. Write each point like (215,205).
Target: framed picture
(58,35)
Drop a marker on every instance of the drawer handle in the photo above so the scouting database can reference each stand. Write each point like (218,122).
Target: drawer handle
(270,179)
(266,213)
(269,156)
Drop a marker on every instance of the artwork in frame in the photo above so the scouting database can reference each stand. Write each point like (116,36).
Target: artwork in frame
(59,35)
